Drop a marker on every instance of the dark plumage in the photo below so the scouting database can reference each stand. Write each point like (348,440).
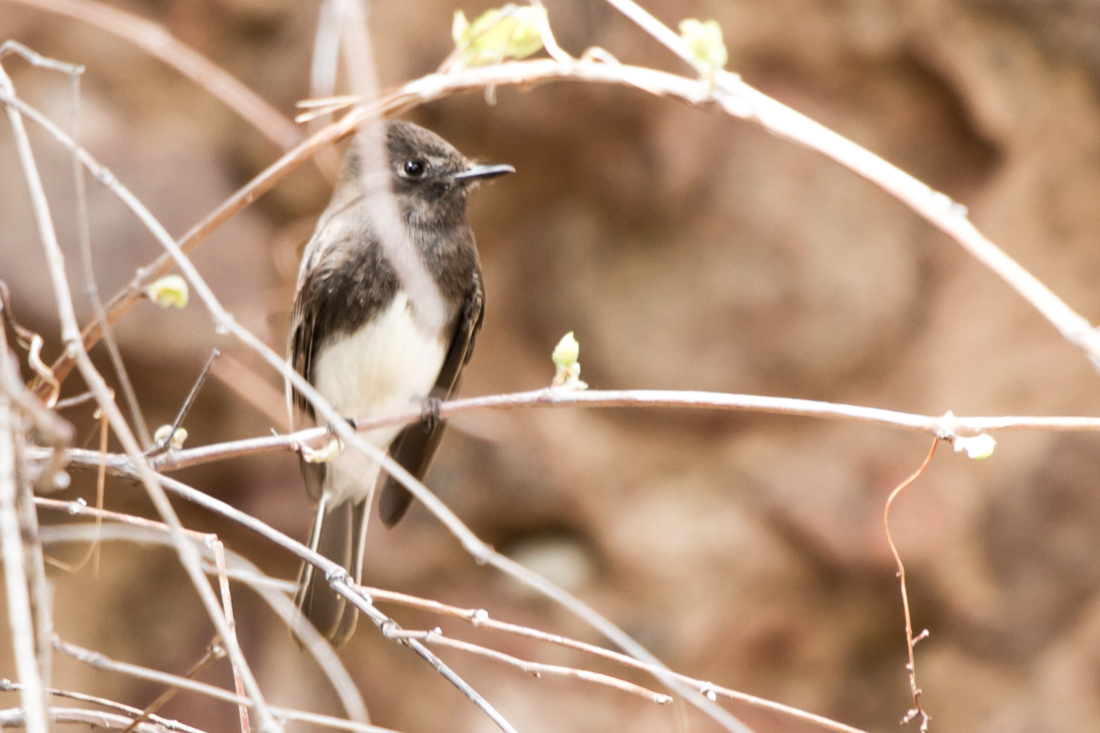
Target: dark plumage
(357,336)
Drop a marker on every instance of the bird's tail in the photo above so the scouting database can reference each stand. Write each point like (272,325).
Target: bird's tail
(338,533)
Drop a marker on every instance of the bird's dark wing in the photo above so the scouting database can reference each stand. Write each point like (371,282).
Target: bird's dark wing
(415,447)
(344,281)
(303,347)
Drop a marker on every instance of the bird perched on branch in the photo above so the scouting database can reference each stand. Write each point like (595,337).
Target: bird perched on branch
(388,303)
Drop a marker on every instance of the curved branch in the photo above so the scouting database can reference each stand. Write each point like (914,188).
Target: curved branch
(155,40)
(945,427)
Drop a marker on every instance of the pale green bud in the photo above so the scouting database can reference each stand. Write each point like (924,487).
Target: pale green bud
(704,39)
(168,291)
(178,438)
(497,34)
(977,447)
(565,357)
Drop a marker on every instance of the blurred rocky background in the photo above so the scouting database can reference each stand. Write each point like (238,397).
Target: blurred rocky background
(687,250)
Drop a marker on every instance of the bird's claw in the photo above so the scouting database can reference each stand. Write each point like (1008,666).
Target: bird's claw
(431,412)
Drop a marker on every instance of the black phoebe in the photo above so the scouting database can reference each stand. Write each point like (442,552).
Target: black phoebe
(364,340)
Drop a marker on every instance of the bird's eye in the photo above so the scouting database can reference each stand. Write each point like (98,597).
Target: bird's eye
(415,168)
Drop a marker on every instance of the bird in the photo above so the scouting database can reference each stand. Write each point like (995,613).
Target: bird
(363,339)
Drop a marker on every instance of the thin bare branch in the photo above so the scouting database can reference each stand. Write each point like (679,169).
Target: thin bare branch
(31,695)
(164,443)
(436,637)
(213,652)
(734,97)
(17,718)
(910,641)
(70,336)
(224,323)
(218,549)
(39,586)
(103,662)
(946,427)
(317,646)
(477,617)
(339,583)
(75,401)
(741,100)
(126,710)
(480,618)
(23,630)
(155,40)
(74,73)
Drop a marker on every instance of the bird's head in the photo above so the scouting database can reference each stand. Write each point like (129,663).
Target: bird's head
(429,178)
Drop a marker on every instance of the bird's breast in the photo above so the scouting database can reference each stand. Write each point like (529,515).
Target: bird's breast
(388,365)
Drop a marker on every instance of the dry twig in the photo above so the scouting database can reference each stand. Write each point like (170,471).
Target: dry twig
(218,549)
(127,710)
(23,635)
(100,661)
(476,617)
(213,652)
(435,636)
(18,718)
(945,427)
(910,640)
(735,98)
(155,40)
(313,642)
(70,332)
(74,73)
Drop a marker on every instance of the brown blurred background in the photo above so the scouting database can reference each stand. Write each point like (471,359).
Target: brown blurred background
(687,251)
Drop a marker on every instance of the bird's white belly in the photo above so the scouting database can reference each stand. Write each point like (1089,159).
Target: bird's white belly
(389,365)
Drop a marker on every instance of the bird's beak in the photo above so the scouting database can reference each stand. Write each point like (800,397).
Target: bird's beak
(483,172)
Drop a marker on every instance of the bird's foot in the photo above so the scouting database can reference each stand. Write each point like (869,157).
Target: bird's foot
(325,453)
(431,412)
